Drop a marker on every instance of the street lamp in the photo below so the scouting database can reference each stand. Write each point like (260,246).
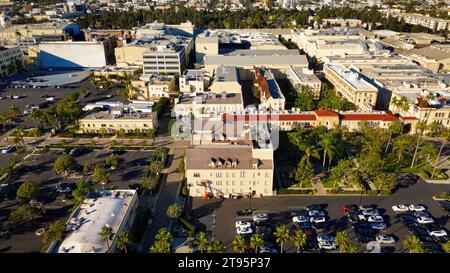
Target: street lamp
(250,199)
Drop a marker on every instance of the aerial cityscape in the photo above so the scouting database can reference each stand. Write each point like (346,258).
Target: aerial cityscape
(224,126)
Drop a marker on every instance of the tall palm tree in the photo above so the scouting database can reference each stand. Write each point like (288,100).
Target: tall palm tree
(216,246)
(310,151)
(444,142)
(300,240)
(328,144)
(413,244)
(239,244)
(123,241)
(283,235)
(35,115)
(105,236)
(395,102)
(400,144)
(393,129)
(428,150)
(421,127)
(256,242)
(342,240)
(202,241)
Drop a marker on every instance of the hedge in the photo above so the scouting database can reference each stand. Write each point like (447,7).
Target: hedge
(290,191)
(188,226)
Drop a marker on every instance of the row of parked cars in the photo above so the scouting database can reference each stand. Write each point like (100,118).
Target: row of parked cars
(260,224)
(423,225)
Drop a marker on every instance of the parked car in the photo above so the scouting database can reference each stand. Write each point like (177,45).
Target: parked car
(437,232)
(400,208)
(421,213)
(425,220)
(8,149)
(243,224)
(346,208)
(385,239)
(314,213)
(324,237)
(370,212)
(378,226)
(313,207)
(300,219)
(244,212)
(406,218)
(267,250)
(377,219)
(317,220)
(328,245)
(244,231)
(261,217)
(416,208)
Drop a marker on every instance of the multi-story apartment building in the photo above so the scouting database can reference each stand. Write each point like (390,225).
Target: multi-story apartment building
(10,58)
(230,170)
(350,85)
(305,77)
(207,104)
(194,80)
(152,87)
(427,21)
(225,80)
(113,208)
(117,119)
(269,92)
(48,32)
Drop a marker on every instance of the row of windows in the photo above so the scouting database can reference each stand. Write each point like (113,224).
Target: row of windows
(114,125)
(231,191)
(242,173)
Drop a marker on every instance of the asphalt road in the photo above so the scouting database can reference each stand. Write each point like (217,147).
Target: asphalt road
(419,193)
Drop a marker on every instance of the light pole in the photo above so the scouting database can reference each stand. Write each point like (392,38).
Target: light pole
(250,199)
(188,195)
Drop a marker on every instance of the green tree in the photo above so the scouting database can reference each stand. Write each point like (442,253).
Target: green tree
(304,173)
(13,111)
(24,214)
(282,235)
(106,236)
(413,244)
(53,233)
(239,244)
(428,150)
(163,242)
(82,188)
(393,129)
(329,144)
(174,211)
(100,175)
(446,247)
(65,164)
(202,241)
(84,91)
(256,242)
(300,239)
(112,161)
(216,246)
(304,99)
(421,127)
(28,190)
(35,115)
(123,241)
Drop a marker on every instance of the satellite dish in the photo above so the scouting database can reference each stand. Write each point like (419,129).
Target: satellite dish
(373,247)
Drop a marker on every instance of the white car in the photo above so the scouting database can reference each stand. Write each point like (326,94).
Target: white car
(417,208)
(375,219)
(437,233)
(328,245)
(370,212)
(243,224)
(244,231)
(16,96)
(400,208)
(385,239)
(7,149)
(317,220)
(325,237)
(261,217)
(50,99)
(425,220)
(314,213)
(300,219)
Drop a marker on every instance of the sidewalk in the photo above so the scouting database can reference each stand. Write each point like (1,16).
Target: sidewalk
(167,195)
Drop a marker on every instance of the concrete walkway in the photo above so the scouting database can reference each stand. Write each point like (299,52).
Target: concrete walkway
(167,195)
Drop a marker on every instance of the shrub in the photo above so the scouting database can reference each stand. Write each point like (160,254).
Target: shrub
(372,192)
(386,192)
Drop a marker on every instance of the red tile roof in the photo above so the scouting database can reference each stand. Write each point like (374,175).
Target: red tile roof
(382,117)
(408,118)
(326,113)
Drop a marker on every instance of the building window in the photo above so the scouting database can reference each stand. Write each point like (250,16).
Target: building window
(196,175)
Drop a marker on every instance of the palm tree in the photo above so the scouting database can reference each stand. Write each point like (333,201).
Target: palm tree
(421,127)
(202,241)
(283,235)
(413,244)
(256,242)
(395,102)
(428,150)
(123,241)
(444,142)
(106,235)
(35,115)
(216,246)
(328,144)
(393,129)
(13,111)
(342,240)
(400,144)
(239,244)
(300,240)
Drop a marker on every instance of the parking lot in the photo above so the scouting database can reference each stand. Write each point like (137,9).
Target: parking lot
(35,96)
(132,165)
(280,209)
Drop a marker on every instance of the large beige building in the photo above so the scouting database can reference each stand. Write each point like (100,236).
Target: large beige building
(152,87)
(305,77)
(435,57)
(194,80)
(350,85)
(225,80)
(10,58)
(117,119)
(232,169)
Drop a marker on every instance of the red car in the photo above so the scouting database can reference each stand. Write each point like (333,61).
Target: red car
(347,208)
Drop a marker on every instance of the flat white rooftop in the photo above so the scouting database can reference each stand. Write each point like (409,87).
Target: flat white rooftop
(109,208)
(352,77)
